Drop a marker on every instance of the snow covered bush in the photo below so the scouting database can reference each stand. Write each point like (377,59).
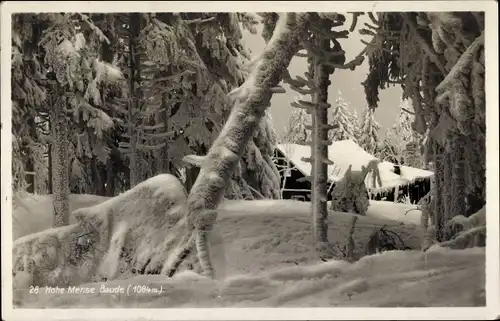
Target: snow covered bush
(349,194)
(466,232)
(128,234)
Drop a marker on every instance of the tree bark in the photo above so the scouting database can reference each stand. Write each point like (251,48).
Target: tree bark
(135,99)
(439,199)
(251,100)
(158,157)
(447,190)
(30,162)
(320,153)
(60,163)
(166,159)
(191,175)
(458,183)
(97,181)
(30,178)
(50,157)
(110,179)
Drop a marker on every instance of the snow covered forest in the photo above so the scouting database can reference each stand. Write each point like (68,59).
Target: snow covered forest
(143,154)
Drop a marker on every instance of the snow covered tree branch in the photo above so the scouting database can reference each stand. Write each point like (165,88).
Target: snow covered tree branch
(439,61)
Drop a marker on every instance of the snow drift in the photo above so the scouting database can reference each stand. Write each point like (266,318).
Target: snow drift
(393,279)
(133,231)
(262,252)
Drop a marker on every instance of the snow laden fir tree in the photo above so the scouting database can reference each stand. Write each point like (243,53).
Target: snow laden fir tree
(368,135)
(297,130)
(202,62)
(344,123)
(402,144)
(68,74)
(156,80)
(241,101)
(431,58)
(324,55)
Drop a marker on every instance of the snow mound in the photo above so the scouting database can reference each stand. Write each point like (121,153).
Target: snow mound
(132,231)
(263,256)
(439,278)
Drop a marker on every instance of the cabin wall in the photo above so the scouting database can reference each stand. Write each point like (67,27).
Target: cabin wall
(294,188)
(415,191)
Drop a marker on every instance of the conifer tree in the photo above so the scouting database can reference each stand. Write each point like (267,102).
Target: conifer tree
(369,137)
(188,64)
(402,142)
(296,131)
(324,54)
(67,68)
(344,123)
(439,61)
(28,96)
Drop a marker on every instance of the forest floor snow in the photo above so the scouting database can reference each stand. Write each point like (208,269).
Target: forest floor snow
(263,258)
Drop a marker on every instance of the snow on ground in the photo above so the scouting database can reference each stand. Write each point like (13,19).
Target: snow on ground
(34,213)
(440,278)
(263,257)
(394,211)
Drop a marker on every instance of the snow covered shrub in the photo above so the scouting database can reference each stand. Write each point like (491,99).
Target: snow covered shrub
(349,194)
(384,240)
(350,245)
(405,200)
(130,233)
(464,232)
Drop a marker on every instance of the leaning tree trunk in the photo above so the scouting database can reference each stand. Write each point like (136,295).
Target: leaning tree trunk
(60,164)
(251,101)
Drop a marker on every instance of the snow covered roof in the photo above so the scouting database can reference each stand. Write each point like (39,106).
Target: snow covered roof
(345,153)
(412,173)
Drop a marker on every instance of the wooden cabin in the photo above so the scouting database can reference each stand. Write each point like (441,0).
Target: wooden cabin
(398,181)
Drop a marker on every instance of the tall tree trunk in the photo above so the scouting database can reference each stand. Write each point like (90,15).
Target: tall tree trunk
(192,173)
(60,162)
(50,157)
(166,159)
(439,201)
(458,180)
(30,177)
(158,158)
(30,163)
(98,184)
(108,52)
(447,191)
(135,99)
(251,101)
(161,155)
(320,153)
(110,178)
